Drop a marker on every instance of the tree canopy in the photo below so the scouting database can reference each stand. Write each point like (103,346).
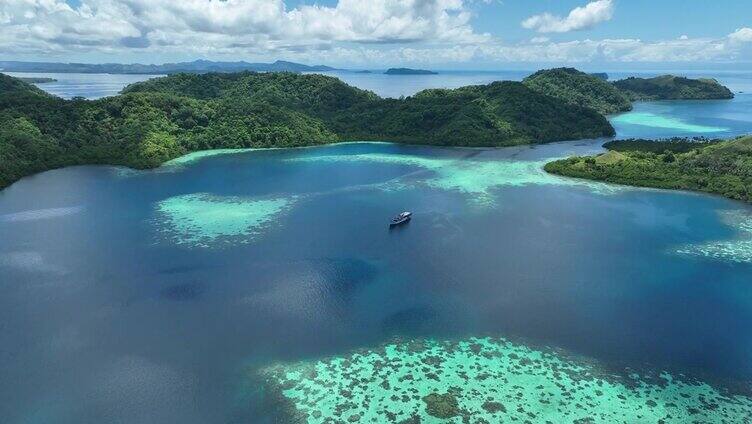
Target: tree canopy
(579,88)
(713,166)
(670,87)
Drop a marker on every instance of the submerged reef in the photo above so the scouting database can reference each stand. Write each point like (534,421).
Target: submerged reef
(201,154)
(474,177)
(737,250)
(663,122)
(488,380)
(202,220)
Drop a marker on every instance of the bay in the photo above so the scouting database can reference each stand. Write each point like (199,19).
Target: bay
(155,296)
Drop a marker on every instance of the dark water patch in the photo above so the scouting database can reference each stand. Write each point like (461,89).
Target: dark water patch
(182,269)
(182,292)
(412,321)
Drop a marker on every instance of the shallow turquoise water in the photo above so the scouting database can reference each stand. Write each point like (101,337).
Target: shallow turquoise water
(652,120)
(702,118)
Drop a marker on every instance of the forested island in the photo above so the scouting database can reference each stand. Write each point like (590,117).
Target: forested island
(159,119)
(722,167)
(670,87)
(408,71)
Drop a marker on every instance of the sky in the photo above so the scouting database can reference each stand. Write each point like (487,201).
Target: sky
(440,34)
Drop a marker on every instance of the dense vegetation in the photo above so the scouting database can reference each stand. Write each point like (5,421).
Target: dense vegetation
(721,167)
(674,145)
(579,88)
(593,91)
(159,119)
(670,87)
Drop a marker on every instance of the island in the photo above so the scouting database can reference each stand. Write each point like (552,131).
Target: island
(408,71)
(162,118)
(600,75)
(670,87)
(579,88)
(721,167)
(37,80)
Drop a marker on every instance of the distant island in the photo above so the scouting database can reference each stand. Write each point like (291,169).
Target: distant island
(364,71)
(600,75)
(160,119)
(722,167)
(408,71)
(37,80)
(197,66)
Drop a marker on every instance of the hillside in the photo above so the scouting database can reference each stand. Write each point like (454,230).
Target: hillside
(160,119)
(670,87)
(579,88)
(720,167)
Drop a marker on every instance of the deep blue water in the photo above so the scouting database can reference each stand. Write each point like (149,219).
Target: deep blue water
(104,318)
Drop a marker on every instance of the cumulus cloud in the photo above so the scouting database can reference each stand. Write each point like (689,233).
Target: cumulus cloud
(741,35)
(578,18)
(350,32)
(216,25)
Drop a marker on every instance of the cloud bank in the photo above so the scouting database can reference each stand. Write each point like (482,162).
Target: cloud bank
(352,32)
(256,25)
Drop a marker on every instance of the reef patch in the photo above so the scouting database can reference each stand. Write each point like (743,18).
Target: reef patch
(204,220)
(738,249)
(201,154)
(475,178)
(489,380)
(663,122)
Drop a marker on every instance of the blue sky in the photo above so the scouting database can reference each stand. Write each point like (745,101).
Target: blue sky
(469,34)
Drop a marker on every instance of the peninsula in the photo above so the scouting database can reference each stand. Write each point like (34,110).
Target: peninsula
(722,167)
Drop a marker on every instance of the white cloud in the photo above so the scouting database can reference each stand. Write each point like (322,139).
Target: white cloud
(741,35)
(539,40)
(579,18)
(351,33)
(45,26)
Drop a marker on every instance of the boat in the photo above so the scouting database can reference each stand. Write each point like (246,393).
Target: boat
(400,219)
